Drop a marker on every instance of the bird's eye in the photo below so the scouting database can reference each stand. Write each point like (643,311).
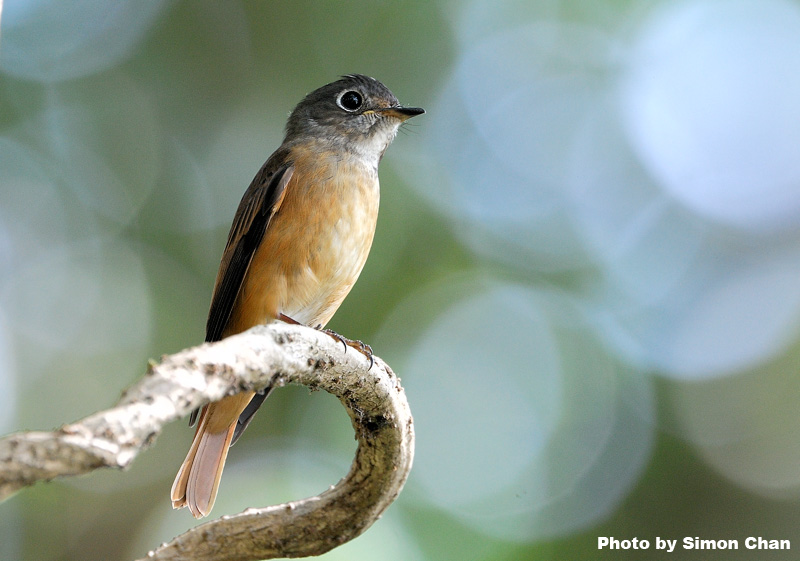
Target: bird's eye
(350,101)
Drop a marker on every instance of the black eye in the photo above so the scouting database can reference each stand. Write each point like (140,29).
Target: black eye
(350,101)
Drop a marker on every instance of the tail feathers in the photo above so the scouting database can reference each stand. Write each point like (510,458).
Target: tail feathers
(198,479)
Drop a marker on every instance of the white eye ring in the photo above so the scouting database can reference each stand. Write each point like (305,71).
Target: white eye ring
(350,100)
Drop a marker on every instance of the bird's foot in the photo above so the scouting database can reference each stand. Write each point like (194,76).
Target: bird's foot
(360,346)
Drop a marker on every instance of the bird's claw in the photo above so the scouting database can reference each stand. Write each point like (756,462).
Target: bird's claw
(360,346)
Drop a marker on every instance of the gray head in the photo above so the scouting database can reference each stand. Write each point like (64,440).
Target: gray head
(356,112)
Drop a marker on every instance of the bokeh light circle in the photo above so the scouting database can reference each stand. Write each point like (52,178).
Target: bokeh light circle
(678,294)
(711,106)
(519,412)
(502,133)
(51,41)
(746,426)
(105,156)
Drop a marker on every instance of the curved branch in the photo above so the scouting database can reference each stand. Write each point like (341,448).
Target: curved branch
(276,354)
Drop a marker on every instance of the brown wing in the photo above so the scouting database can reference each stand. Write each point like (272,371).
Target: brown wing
(255,211)
(259,203)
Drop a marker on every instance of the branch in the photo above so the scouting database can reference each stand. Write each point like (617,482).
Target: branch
(276,354)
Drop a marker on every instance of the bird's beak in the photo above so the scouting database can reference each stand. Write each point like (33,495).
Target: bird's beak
(402,113)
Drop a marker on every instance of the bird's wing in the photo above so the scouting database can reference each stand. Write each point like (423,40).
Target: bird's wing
(259,204)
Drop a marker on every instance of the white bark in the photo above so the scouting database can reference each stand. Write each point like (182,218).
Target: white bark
(276,354)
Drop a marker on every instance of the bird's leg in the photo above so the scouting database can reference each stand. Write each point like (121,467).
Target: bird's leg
(286,319)
(360,346)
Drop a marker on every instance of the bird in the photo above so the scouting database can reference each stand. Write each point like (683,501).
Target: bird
(298,242)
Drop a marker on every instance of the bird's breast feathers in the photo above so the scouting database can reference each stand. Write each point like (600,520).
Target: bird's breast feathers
(318,241)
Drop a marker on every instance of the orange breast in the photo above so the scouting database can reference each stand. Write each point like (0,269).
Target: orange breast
(316,244)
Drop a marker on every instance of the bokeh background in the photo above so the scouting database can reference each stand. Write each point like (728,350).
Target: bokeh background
(586,270)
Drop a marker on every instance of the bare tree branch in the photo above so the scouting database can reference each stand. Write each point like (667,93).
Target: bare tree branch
(276,354)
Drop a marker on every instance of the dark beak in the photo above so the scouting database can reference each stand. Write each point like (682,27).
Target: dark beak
(402,113)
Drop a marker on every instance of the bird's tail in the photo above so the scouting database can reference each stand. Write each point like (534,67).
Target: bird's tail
(198,479)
